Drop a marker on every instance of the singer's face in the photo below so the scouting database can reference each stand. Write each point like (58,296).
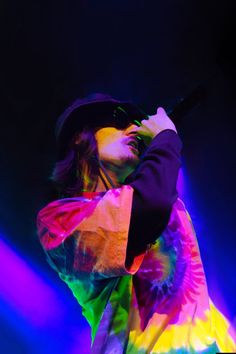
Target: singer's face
(118,148)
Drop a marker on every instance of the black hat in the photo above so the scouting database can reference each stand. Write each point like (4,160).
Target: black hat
(96,110)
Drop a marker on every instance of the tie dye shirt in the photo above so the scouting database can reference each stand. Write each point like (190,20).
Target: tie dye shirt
(159,304)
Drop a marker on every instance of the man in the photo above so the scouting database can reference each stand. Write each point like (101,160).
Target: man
(122,239)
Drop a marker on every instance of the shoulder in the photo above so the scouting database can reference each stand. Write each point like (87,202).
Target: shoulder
(57,220)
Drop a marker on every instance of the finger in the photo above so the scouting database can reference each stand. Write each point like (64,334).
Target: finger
(144,121)
(161,111)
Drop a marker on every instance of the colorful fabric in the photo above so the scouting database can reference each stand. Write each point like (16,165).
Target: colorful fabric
(158,305)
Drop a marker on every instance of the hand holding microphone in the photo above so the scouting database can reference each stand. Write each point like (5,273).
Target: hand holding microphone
(149,128)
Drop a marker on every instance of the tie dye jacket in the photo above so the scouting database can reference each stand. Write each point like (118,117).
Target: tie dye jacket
(157,304)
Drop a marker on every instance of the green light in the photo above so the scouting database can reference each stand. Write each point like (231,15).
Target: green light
(137,122)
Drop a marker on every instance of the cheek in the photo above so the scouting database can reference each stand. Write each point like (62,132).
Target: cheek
(105,137)
(110,149)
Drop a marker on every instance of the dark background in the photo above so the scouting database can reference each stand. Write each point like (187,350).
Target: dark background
(152,52)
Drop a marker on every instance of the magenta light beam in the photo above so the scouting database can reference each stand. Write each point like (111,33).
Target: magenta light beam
(26,292)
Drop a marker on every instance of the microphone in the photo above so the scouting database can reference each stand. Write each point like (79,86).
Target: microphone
(180,109)
(186,104)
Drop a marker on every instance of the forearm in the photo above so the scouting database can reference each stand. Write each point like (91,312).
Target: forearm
(155,191)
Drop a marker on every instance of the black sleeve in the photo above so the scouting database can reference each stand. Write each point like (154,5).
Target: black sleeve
(154,185)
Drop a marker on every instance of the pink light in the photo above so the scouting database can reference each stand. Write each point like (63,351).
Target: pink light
(26,292)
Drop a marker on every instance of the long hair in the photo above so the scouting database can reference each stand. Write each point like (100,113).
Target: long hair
(78,167)
(78,170)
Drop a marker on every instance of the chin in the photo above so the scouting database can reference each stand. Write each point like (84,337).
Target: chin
(131,161)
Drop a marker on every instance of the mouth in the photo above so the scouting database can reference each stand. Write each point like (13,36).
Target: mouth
(133,143)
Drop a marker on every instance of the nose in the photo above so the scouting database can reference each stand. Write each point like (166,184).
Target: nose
(131,130)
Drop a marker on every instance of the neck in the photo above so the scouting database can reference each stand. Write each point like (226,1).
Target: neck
(106,180)
(110,177)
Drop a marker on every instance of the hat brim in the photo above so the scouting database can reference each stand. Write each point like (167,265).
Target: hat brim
(91,115)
